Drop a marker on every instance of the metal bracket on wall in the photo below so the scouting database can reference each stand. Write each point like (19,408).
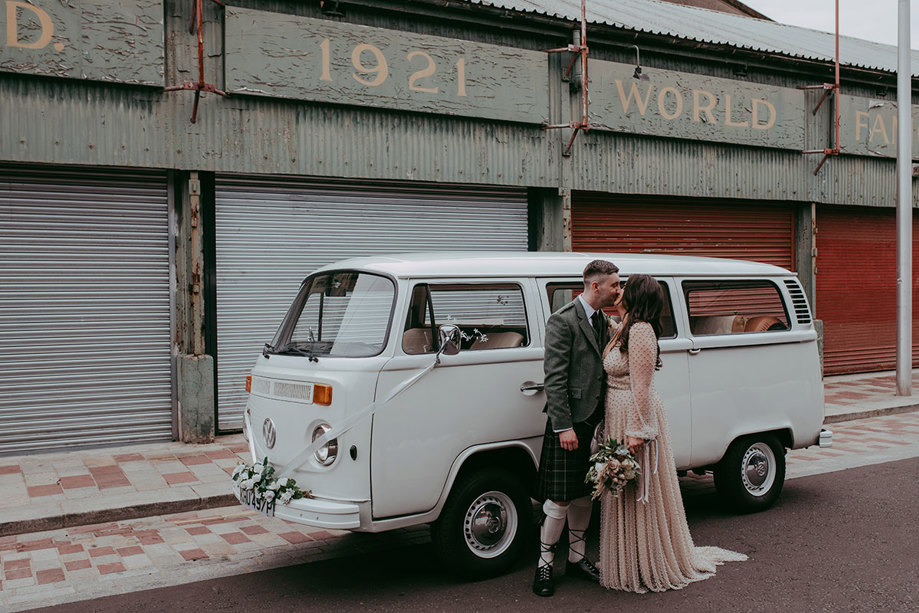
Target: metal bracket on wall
(197,20)
(579,50)
(829,88)
(834,130)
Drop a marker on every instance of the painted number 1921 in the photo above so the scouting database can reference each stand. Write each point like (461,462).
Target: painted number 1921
(372,69)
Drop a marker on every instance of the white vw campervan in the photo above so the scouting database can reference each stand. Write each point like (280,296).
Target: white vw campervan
(408,389)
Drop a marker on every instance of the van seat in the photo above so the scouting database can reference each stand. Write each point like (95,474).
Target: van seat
(717,324)
(417,340)
(761,323)
(498,340)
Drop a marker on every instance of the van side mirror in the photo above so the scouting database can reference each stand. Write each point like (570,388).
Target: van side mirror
(450,339)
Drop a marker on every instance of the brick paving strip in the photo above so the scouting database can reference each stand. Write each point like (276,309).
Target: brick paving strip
(86,562)
(59,490)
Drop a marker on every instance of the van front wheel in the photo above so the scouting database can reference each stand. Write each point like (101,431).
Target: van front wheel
(484,524)
(752,472)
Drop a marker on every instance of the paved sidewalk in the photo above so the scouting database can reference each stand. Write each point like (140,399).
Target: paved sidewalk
(118,557)
(866,395)
(64,489)
(73,488)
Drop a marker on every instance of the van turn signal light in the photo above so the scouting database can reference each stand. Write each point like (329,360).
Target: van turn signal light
(249,383)
(322,394)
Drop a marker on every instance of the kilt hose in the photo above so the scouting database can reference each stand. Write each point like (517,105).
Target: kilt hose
(562,473)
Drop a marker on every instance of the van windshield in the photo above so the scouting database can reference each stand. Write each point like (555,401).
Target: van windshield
(342,314)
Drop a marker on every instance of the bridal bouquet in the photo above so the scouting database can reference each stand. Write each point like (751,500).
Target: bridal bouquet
(260,489)
(612,467)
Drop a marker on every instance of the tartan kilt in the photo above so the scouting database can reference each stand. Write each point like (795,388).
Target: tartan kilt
(562,473)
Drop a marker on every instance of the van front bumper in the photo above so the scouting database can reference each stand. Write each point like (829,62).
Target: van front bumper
(315,512)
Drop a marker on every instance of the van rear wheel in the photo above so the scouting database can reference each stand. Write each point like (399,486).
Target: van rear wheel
(751,474)
(484,524)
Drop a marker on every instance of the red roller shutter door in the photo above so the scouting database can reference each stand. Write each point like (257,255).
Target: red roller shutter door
(857,288)
(745,231)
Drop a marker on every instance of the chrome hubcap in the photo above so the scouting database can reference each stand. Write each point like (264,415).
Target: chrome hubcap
(758,469)
(490,524)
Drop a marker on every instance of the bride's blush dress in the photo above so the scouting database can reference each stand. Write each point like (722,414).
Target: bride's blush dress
(646,545)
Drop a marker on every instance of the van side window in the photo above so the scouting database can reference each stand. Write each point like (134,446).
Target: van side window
(734,307)
(492,316)
(560,294)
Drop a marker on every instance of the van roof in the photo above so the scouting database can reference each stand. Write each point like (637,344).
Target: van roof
(547,264)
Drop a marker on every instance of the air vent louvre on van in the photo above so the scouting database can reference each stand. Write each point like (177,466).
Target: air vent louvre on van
(802,313)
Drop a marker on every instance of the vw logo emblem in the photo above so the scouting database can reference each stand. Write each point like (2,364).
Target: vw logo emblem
(269,433)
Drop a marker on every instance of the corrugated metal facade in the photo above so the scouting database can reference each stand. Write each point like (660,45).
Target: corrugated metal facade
(85,351)
(857,288)
(361,143)
(759,232)
(271,233)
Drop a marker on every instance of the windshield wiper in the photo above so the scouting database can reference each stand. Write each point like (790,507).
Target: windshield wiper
(290,348)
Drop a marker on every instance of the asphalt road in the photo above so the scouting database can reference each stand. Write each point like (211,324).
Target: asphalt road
(841,541)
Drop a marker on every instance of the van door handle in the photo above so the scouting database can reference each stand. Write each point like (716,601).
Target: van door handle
(528,388)
(694,351)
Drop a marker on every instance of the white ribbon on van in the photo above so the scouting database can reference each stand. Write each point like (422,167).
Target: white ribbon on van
(337,430)
(450,341)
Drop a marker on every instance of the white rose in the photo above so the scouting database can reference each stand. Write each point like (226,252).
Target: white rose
(286,497)
(258,468)
(269,495)
(274,486)
(598,467)
(246,484)
(283,482)
(239,468)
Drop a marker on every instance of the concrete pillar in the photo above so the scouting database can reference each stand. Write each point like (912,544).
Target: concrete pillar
(549,219)
(806,262)
(194,368)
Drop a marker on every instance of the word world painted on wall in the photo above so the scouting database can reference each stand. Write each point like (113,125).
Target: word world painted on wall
(98,40)
(697,107)
(271,54)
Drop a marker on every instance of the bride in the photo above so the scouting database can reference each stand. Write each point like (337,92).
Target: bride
(645,542)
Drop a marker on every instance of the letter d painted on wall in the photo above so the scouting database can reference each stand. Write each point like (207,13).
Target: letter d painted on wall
(12,26)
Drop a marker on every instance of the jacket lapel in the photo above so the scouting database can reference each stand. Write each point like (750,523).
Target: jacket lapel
(586,327)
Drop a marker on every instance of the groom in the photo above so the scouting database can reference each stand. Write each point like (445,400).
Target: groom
(574,381)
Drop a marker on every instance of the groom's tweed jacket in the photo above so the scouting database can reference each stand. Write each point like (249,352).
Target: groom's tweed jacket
(573,366)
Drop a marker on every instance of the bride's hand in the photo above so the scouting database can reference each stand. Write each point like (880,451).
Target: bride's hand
(634,444)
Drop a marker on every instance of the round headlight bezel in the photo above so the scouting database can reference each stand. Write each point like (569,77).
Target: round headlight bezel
(328,453)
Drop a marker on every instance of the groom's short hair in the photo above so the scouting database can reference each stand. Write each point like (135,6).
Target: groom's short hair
(599,268)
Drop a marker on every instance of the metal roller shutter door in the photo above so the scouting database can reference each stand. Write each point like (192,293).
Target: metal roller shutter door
(270,233)
(857,288)
(745,231)
(84,309)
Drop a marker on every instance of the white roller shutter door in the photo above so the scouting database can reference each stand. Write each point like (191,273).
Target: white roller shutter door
(271,233)
(84,309)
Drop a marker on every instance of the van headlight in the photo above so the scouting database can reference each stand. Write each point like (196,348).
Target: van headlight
(326,454)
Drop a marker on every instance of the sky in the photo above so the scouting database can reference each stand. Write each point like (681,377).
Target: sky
(868,19)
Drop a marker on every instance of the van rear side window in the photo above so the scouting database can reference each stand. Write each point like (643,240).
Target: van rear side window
(734,307)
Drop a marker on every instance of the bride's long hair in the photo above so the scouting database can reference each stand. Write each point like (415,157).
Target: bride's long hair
(643,299)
